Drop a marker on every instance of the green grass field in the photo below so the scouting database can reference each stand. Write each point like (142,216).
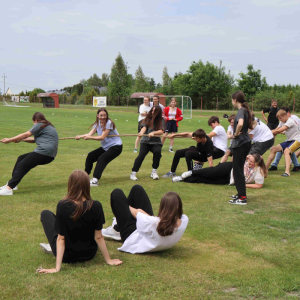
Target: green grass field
(227,251)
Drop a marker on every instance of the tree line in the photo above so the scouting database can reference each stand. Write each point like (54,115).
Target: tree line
(204,81)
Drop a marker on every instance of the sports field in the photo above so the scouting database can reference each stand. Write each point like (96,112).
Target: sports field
(227,251)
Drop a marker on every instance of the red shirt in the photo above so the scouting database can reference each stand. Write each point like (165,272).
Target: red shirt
(178,117)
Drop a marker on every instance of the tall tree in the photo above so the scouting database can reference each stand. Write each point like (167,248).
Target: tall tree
(166,82)
(251,82)
(95,80)
(105,79)
(141,83)
(152,84)
(120,83)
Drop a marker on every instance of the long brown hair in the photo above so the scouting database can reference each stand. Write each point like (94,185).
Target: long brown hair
(259,161)
(154,119)
(239,96)
(40,118)
(107,118)
(78,190)
(170,210)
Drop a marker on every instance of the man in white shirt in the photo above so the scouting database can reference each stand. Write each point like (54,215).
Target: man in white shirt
(143,110)
(294,155)
(291,129)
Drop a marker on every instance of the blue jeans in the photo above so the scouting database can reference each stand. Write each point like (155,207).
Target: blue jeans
(278,157)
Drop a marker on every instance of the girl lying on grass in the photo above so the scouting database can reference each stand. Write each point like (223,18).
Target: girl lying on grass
(139,230)
(74,234)
(255,172)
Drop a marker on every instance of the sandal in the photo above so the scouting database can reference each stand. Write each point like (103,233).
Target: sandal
(285,175)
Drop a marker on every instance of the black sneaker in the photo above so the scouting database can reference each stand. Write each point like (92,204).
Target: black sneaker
(238,201)
(296,169)
(272,168)
(234,196)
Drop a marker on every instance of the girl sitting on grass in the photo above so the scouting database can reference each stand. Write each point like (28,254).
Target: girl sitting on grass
(74,234)
(140,230)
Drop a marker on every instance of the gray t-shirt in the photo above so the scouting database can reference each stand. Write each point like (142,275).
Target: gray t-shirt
(152,141)
(244,136)
(46,139)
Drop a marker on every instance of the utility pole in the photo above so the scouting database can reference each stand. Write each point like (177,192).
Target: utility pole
(4,82)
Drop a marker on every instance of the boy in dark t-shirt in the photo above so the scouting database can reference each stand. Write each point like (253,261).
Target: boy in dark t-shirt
(272,121)
(204,151)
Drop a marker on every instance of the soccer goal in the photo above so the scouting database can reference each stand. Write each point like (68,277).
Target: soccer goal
(183,102)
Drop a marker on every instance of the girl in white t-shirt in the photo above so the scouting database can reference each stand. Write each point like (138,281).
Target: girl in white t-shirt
(139,229)
(111,147)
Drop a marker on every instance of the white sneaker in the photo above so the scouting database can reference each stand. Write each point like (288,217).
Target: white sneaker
(177,179)
(154,175)
(4,186)
(6,192)
(186,174)
(93,182)
(135,151)
(46,248)
(133,177)
(171,150)
(109,232)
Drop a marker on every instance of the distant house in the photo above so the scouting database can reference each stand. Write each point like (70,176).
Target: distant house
(9,92)
(102,89)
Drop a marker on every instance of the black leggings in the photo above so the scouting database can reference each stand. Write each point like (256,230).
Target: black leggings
(144,150)
(216,175)
(120,207)
(48,221)
(239,157)
(103,158)
(25,163)
(191,154)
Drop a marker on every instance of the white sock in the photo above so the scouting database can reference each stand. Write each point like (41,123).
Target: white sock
(170,147)
(95,179)
(133,173)
(154,170)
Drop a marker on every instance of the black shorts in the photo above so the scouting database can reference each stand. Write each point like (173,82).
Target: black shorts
(171,126)
(272,125)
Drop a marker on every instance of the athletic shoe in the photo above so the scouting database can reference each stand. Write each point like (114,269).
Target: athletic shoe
(296,169)
(93,182)
(177,179)
(46,248)
(171,150)
(186,174)
(6,192)
(272,168)
(109,232)
(15,188)
(285,175)
(154,175)
(135,150)
(238,201)
(169,175)
(234,196)
(132,177)
(197,166)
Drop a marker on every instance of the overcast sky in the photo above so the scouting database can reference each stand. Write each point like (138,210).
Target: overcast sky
(52,44)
